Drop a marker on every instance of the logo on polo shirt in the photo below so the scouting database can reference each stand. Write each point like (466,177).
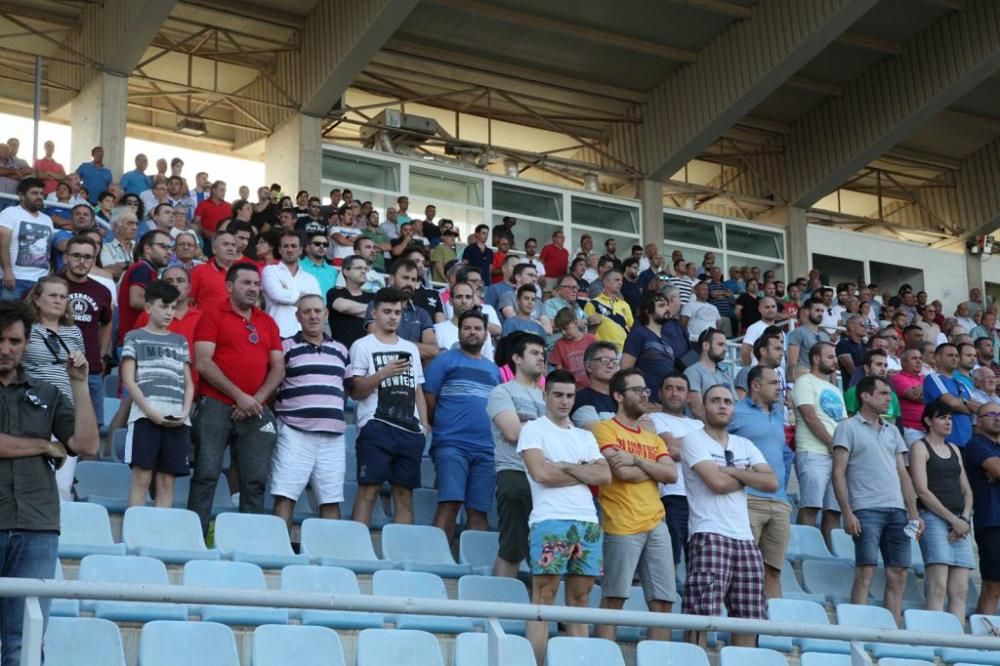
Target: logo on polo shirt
(267,427)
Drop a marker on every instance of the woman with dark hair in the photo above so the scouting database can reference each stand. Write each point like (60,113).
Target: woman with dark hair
(242,212)
(748,305)
(134,201)
(944,498)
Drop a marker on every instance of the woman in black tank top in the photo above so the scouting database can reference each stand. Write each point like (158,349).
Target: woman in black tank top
(944,498)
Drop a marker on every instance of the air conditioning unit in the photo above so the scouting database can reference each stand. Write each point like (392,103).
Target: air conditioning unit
(191,126)
(401,129)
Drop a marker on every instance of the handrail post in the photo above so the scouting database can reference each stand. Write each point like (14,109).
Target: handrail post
(31,633)
(494,639)
(858,655)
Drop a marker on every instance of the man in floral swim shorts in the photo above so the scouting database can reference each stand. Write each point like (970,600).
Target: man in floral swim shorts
(566,538)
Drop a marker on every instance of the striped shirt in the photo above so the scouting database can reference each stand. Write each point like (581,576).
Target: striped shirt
(47,353)
(311,397)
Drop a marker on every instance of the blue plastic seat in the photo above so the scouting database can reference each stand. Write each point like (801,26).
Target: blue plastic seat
(790,588)
(350,494)
(824,659)
(328,580)
(876,617)
(118,440)
(913,592)
(428,473)
(940,622)
(843,546)
(422,585)
(256,538)
(182,488)
(499,589)
(471,650)
(806,543)
(110,406)
(805,612)
(134,571)
(425,501)
(662,653)
(896,661)
(232,575)
(63,607)
(171,535)
(421,548)
(85,529)
(111,384)
(748,656)
(280,645)
(340,543)
(83,641)
(831,578)
(479,550)
(187,643)
(104,483)
(573,651)
(398,647)
(978,627)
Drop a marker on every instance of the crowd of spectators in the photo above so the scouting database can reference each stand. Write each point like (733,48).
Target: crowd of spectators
(622,413)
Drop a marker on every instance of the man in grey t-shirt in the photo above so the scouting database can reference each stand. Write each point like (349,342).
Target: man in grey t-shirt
(706,372)
(805,335)
(875,493)
(509,407)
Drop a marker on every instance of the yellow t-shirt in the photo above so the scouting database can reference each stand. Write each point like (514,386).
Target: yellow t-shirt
(616,318)
(630,507)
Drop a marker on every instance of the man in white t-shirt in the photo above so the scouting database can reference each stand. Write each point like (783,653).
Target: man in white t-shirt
(698,314)
(725,571)
(768,317)
(672,426)
(391,412)
(819,407)
(566,537)
(25,240)
(463,297)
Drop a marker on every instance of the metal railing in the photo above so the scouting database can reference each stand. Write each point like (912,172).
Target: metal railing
(492,612)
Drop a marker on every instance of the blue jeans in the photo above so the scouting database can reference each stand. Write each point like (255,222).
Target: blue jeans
(95,383)
(882,530)
(23,554)
(20,290)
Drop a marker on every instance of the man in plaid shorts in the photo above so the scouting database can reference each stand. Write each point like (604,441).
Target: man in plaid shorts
(724,566)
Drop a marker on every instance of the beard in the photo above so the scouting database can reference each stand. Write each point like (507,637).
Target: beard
(471,346)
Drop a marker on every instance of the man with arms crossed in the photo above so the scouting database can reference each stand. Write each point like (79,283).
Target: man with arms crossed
(566,539)
(636,539)
(725,565)
(875,494)
(510,407)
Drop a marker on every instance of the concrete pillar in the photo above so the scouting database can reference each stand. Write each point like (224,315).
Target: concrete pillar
(973,274)
(798,260)
(651,195)
(293,155)
(99,114)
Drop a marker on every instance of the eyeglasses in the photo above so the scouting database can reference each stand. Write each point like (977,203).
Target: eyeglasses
(639,390)
(53,342)
(253,338)
(730,458)
(990,415)
(132,204)
(610,362)
(571,287)
(321,244)
(78,256)
(165,246)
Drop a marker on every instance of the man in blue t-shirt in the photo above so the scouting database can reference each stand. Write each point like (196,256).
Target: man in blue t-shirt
(940,385)
(95,176)
(457,386)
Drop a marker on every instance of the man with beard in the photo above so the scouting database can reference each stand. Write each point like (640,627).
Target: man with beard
(25,241)
(647,346)
(457,385)
(636,539)
(391,411)
(240,360)
(463,299)
(415,324)
(153,252)
(706,372)
(83,219)
(768,317)
(805,335)
(424,297)
(725,570)
(941,385)
(631,291)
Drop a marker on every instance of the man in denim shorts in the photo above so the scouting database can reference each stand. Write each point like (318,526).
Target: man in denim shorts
(566,538)
(875,493)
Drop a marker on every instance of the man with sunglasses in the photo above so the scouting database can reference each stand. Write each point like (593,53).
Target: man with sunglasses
(90,302)
(314,262)
(636,539)
(239,356)
(152,253)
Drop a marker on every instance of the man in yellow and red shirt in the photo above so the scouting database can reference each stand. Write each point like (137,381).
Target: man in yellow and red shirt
(635,535)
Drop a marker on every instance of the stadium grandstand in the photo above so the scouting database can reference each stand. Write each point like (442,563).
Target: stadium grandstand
(578,332)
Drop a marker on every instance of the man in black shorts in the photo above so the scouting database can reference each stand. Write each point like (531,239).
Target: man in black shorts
(391,412)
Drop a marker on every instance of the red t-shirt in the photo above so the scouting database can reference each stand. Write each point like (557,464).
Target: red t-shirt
(495,267)
(911,413)
(211,214)
(185,327)
(208,284)
(140,274)
(568,355)
(243,361)
(43,164)
(555,259)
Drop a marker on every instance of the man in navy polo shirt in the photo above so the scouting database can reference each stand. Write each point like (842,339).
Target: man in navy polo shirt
(940,384)
(479,254)
(982,465)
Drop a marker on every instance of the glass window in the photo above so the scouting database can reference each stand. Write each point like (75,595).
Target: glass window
(604,215)
(525,229)
(438,186)
(342,168)
(692,230)
(754,241)
(536,203)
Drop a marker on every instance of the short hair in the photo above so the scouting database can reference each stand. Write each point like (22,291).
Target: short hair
(146,241)
(289,233)
(464,285)
(871,354)
(981,340)
(28,184)
(564,318)
(480,227)
(559,377)
(631,261)
(869,383)
(676,374)
(617,383)
(162,291)
(156,210)
(817,349)
(525,289)
(237,226)
(761,343)
(940,347)
(388,295)
(403,265)
(522,341)
(963,345)
(520,268)
(935,409)
(474,313)
(235,269)
(594,347)
(463,273)
(11,312)
(350,259)
(81,240)
(754,375)
(356,245)
(706,336)
(911,327)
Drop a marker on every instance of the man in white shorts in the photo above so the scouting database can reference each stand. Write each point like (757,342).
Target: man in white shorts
(310,411)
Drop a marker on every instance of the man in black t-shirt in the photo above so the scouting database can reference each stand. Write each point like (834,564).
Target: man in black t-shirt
(594,403)
(347,305)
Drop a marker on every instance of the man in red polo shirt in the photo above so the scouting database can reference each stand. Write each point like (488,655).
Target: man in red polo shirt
(239,356)
(153,252)
(212,211)
(555,257)
(208,280)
